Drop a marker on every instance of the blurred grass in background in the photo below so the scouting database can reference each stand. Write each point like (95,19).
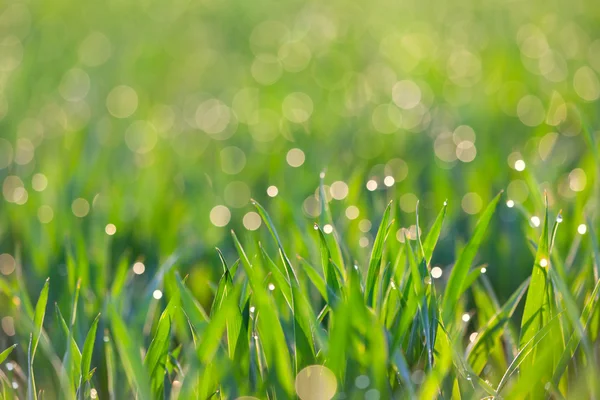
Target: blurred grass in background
(135,131)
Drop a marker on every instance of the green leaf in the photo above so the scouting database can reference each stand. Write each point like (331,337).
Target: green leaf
(591,305)
(31,392)
(314,276)
(537,313)
(129,356)
(434,233)
(156,356)
(4,355)
(88,349)
(463,264)
(526,350)
(331,278)
(75,353)
(376,257)
(478,352)
(38,317)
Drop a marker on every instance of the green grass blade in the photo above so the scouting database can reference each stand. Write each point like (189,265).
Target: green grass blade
(331,278)
(38,317)
(314,276)
(73,353)
(376,257)
(129,356)
(111,371)
(4,355)
(72,358)
(463,263)
(478,352)
(156,357)
(590,306)
(526,350)
(88,349)
(536,313)
(31,392)
(434,233)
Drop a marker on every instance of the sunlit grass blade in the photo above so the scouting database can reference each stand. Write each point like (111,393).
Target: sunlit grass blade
(88,349)
(73,354)
(129,357)
(331,277)
(315,278)
(4,355)
(591,306)
(539,303)
(111,372)
(271,333)
(433,235)
(156,357)
(195,313)
(526,350)
(478,352)
(38,318)
(72,358)
(463,263)
(326,217)
(31,392)
(376,257)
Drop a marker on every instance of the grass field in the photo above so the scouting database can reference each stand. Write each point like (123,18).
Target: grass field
(314,200)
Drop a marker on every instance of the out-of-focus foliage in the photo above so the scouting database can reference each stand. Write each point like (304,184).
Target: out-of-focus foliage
(134,134)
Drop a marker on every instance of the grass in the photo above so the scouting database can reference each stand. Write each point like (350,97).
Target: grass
(412,188)
(281,326)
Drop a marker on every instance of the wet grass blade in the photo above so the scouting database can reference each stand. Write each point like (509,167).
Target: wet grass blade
(478,352)
(331,278)
(526,350)
(537,306)
(433,235)
(463,264)
(376,257)
(591,306)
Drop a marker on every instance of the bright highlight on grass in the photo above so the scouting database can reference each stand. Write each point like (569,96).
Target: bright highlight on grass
(535,221)
(510,204)
(371,185)
(436,272)
(543,262)
(582,229)
(272,191)
(157,294)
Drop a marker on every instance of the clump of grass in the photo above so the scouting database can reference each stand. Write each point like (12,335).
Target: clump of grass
(278,329)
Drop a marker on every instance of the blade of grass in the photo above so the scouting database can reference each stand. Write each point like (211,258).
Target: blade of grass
(88,349)
(376,257)
(463,264)
(4,355)
(434,233)
(478,351)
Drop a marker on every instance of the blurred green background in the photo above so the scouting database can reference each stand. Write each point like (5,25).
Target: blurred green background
(134,130)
